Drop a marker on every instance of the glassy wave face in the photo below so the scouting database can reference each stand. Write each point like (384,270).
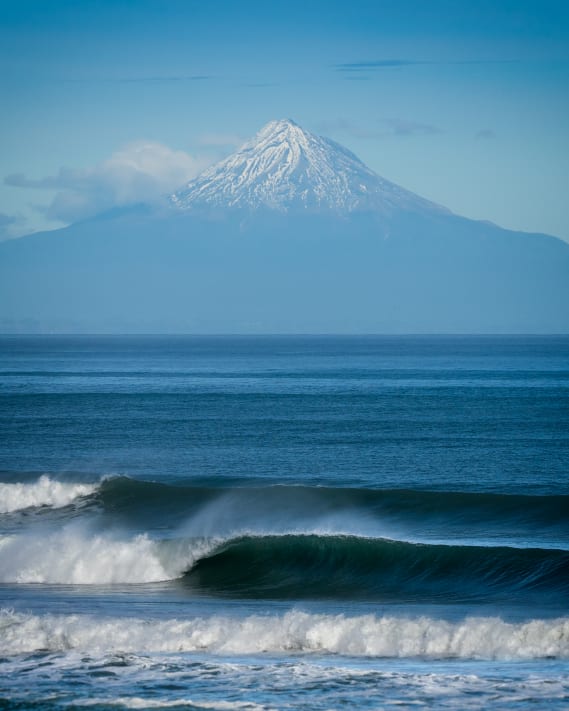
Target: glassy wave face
(284,523)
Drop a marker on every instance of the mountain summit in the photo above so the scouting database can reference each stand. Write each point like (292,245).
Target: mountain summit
(286,168)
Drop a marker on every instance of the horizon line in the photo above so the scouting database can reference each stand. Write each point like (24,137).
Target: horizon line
(288,334)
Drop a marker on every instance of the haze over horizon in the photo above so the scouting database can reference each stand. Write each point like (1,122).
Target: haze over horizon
(114,103)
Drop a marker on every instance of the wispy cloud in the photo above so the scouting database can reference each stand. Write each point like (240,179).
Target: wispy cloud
(261,84)
(134,79)
(196,77)
(221,140)
(348,128)
(7,222)
(382,128)
(139,172)
(485,134)
(10,226)
(404,127)
(374,65)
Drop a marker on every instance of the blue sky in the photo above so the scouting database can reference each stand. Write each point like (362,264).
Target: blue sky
(106,103)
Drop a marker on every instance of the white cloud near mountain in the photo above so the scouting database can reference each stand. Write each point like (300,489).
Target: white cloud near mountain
(140,172)
(8,225)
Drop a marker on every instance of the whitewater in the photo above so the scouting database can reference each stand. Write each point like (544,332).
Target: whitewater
(278,523)
(43,492)
(293,632)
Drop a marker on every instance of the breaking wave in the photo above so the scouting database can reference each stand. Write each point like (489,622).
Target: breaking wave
(75,556)
(289,566)
(43,492)
(295,632)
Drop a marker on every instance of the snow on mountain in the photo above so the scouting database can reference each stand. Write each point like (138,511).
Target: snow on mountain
(286,168)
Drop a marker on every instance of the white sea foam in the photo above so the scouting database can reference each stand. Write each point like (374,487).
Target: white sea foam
(292,633)
(43,492)
(76,556)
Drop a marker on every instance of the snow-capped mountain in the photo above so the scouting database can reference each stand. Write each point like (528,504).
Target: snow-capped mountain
(291,234)
(289,169)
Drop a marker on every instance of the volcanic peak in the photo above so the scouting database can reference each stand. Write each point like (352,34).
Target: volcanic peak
(286,168)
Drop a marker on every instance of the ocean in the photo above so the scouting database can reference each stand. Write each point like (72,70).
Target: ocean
(282,522)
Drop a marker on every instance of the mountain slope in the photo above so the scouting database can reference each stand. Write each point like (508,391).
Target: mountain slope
(289,169)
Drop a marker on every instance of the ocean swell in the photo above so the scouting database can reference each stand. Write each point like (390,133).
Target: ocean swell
(131,497)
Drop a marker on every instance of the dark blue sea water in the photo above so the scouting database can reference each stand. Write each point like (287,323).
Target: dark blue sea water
(284,522)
